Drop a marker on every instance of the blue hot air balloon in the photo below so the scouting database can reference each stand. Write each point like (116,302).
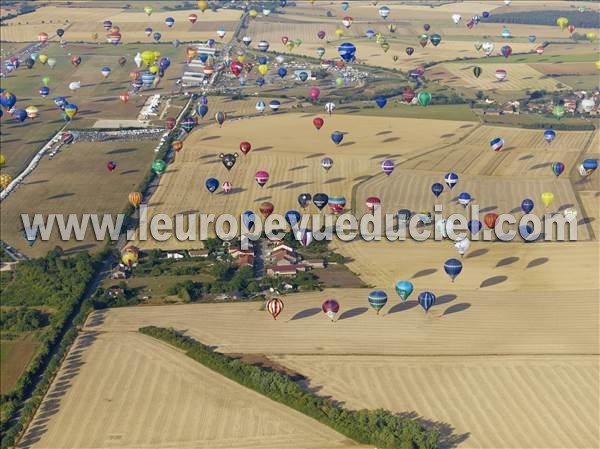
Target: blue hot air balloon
(203,100)
(337,137)
(497,144)
(532,38)
(202,110)
(549,135)
(347,51)
(451,179)
(558,168)
(292,217)
(260,82)
(453,267)
(156,36)
(426,300)
(274,105)
(164,63)
(169,21)
(212,184)
(7,99)
(44,91)
(345,6)
(262,60)
(61,102)
(527,205)
(437,189)
(474,226)
(404,289)
(381,101)
(20,115)
(282,72)
(377,299)
(464,199)
(203,57)
(248,219)
(370,34)
(485,14)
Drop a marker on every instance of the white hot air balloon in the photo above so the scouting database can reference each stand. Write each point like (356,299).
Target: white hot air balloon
(74,85)
(266,12)
(51,62)
(440,228)
(138,60)
(280,59)
(221,33)
(587,105)
(507,2)
(462,246)
(456,18)
(384,12)
(330,107)
(570,214)
(488,47)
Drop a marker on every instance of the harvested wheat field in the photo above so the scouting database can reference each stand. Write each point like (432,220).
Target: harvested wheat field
(294,165)
(90,189)
(146,394)
(81,23)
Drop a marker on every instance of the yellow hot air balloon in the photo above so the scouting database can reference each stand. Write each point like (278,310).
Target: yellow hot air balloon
(148,9)
(148,57)
(591,36)
(5,180)
(241,58)
(562,22)
(290,45)
(385,47)
(252,13)
(547,198)
(130,255)
(339,33)
(135,199)
(43,58)
(263,69)
(202,5)
(2,160)
(32,111)
(598,64)
(153,69)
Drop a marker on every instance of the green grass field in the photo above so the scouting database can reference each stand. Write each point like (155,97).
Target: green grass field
(460,112)
(535,58)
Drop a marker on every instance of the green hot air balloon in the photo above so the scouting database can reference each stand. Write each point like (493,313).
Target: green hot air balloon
(476,71)
(377,299)
(558,112)
(424,98)
(159,166)
(46,80)
(435,39)
(478,46)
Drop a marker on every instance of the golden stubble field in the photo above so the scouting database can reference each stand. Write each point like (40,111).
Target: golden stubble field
(292,155)
(80,23)
(75,181)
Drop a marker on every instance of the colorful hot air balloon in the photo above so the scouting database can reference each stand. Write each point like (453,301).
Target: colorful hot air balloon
(451,179)
(501,74)
(587,167)
(373,203)
(327,163)
(135,199)
(377,300)
(506,51)
(387,166)
(304,200)
(381,101)
(261,177)
(490,220)
(5,181)
(453,267)
(330,307)
(320,200)
(130,256)
(159,166)
(558,111)
(497,144)
(228,160)
(562,22)
(274,307)
(404,289)
(315,93)
(266,209)
(220,118)
(549,135)
(464,199)
(70,110)
(557,168)
(347,51)
(435,39)
(426,300)
(111,166)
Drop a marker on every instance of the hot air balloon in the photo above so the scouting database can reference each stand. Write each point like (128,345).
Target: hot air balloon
(304,200)
(188,123)
(330,308)
(408,95)
(263,46)
(424,98)
(159,166)
(315,93)
(462,246)
(562,22)
(260,106)
(387,166)
(318,122)
(70,110)
(373,203)
(212,184)
(226,186)
(501,74)
(169,21)
(274,105)
(107,24)
(320,200)
(5,181)
(321,35)
(558,111)
(506,51)
(591,36)
(330,107)
(409,51)
(261,177)
(76,60)
(111,166)
(130,256)
(337,204)
(337,137)
(381,101)
(347,51)
(124,97)
(266,209)
(177,145)
(245,147)
(474,226)
(451,179)
(496,144)
(202,5)
(587,167)
(43,37)
(476,71)
(347,21)
(292,217)
(527,205)
(44,91)
(456,18)
(135,199)
(248,219)
(488,47)
(192,18)
(549,135)
(437,189)
(547,198)
(345,5)
(505,33)
(2,160)
(464,198)
(404,289)
(435,39)
(274,307)
(228,160)
(426,300)
(558,168)
(148,10)
(452,267)
(220,118)
(105,71)
(377,300)
(327,163)
(423,40)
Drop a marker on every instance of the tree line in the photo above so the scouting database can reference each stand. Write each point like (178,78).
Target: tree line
(380,428)
(586,19)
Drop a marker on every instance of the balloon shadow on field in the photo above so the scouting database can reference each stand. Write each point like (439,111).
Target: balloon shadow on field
(585,220)
(423,273)
(306,313)
(477,253)
(352,313)
(456,308)
(390,139)
(207,156)
(297,185)
(447,438)
(347,144)
(128,172)
(233,191)
(444,299)
(494,280)
(538,166)
(362,178)
(259,149)
(122,150)
(515,210)
(332,180)
(507,261)
(383,133)
(210,138)
(41,181)
(280,184)
(526,157)
(298,167)
(263,198)
(402,306)
(537,262)
(565,206)
(60,195)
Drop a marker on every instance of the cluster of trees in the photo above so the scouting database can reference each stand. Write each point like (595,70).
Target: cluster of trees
(379,428)
(22,319)
(586,19)
(61,284)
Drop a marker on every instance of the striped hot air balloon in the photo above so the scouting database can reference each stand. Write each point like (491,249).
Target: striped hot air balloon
(426,300)
(451,179)
(377,300)
(274,307)
(135,199)
(453,267)
(497,144)
(387,166)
